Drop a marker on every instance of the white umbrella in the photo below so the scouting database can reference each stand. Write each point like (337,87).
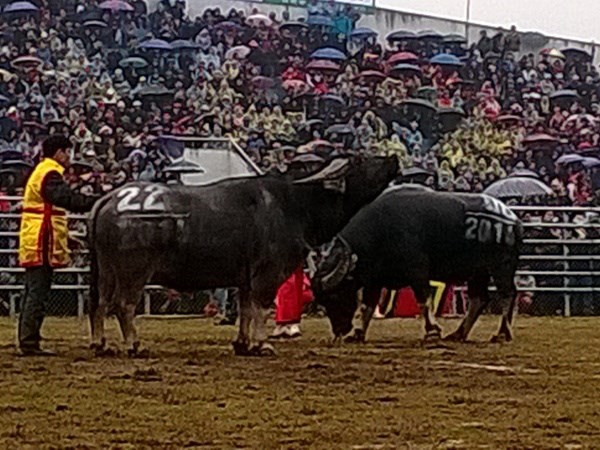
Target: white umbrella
(518,187)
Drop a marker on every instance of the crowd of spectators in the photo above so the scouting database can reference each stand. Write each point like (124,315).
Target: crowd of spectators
(459,116)
(115,76)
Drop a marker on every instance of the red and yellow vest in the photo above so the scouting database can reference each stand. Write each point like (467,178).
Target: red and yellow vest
(41,221)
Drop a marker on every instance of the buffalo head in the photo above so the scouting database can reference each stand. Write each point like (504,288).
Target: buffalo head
(333,284)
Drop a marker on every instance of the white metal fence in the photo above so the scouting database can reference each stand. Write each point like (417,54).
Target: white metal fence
(560,264)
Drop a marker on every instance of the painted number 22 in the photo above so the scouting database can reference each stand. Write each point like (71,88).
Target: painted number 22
(150,200)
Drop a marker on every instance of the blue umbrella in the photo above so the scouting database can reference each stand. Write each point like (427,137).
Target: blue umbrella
(363,32)
(20,7)
(569,159)
(155,44)
(329,53)
(321,21)
(445,59)
(182,44)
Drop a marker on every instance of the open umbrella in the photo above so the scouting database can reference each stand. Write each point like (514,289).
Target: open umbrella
(524,173)
(329,53)
(134,61)
(20,7)
(363,33)
(450,118)
(418,103)
(294,85)
(569,159)
(263,83)
(519,187)
(229,25)
(184,167)
(564,94)
(429,35)
(116,5)
(332,100)
(182,44)
(370,76)
(154,91)
(402,57)
(339,128)
(591,162)
(323,65)
(293,26)
(16,163)
(319,21)
(10,154)
(238,52)
(26,62)
(155,44)
(94,24)
(401,36)
(446,59)
(405,69)
(540,138)
(454,39)
(256,20)
(576,53)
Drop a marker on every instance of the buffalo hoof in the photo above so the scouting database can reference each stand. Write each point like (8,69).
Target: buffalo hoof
(241,348)
(137,353)
(263,349)
(455,337)
(500,338)
(356,337)
(104,352)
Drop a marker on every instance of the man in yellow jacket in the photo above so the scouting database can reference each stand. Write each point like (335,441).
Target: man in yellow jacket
(43,238)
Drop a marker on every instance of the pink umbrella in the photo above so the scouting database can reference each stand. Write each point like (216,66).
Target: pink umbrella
(323,65)
(116,5)
(27,62)
(540,138)
(370,76)
(403,57)
(294,85)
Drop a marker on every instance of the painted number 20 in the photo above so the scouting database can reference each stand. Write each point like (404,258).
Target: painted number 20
(150,200)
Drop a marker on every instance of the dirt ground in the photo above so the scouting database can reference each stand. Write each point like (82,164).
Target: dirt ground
(542,391)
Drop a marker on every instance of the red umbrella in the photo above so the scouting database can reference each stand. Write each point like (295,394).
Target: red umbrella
(370,76)
(540,138)
(403,57)
(323,65)
(508,118)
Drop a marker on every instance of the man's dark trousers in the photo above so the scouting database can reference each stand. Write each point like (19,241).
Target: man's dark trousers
(33,307)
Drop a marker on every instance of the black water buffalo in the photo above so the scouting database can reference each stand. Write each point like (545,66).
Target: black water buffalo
(411,235)
(250,233)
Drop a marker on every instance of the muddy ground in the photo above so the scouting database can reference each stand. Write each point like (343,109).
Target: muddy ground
(542,391)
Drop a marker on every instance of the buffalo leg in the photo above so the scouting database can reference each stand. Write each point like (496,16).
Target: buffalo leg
(422,293)
(508,295)
(479,298)
(241,346)
(126,317)
(369,303)
(260,313)
(106,287)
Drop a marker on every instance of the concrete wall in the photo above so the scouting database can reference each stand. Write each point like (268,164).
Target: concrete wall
(385,21)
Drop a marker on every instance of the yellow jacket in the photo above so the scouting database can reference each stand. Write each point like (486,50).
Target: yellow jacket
(43,226)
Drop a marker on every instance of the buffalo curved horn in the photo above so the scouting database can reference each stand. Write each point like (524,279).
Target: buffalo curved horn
(336,169)
(339,272)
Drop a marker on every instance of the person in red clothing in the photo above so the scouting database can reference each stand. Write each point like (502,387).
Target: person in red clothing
(292,296)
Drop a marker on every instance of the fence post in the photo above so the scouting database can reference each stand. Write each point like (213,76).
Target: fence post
(80,304)
(12,308)
(567,296)
(147,302)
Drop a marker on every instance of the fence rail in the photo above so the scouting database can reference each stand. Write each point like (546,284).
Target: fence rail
(573,273)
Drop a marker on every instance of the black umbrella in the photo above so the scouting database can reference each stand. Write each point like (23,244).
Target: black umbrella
(401,36)
(413,172)
(338,129)
(294,26)
(16,163)
(450,118)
